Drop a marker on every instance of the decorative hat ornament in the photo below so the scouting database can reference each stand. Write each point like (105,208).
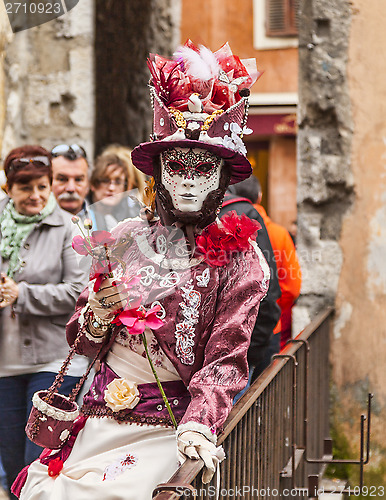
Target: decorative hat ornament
(200,100)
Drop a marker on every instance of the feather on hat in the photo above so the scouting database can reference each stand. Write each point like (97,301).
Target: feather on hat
(200,100)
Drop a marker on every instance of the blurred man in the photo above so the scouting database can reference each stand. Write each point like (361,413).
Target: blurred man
(70,183)
(288,267)
(269,310)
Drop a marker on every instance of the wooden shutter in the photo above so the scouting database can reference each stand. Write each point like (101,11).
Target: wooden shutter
(282,17)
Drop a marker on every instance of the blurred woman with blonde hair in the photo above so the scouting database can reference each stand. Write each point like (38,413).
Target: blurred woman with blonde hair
(115,183)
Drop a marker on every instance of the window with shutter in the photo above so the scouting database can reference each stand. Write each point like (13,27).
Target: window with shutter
(282,18)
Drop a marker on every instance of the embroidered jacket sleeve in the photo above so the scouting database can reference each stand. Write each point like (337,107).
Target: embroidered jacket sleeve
(244,282)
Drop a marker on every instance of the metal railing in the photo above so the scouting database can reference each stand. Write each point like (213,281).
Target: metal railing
(281,420)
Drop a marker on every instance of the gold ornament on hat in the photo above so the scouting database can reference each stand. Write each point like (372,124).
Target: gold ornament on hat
(179,117)
(208,121)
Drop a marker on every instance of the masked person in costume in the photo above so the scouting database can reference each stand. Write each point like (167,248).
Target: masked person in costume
(185,290)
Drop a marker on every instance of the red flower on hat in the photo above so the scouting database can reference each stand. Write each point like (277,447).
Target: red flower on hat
(215,76)
(54,467)
(219,241)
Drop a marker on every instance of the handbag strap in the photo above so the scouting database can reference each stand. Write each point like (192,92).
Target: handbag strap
(63,370)
(79,385)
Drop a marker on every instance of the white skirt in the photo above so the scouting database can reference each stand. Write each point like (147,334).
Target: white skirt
(111,460)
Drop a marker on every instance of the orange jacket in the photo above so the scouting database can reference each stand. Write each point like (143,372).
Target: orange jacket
(288,267)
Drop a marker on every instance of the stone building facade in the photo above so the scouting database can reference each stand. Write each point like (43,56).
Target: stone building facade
(49,84)
(82,77)
(342,202)
(5,37)
(125,34)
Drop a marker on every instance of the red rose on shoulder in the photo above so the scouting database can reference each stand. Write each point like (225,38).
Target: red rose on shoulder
(219,241)
(211,246)
(242,228)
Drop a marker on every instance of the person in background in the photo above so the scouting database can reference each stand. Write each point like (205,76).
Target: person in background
(269,311)
(3,478)
(3,194)
(40,283)
(136,179)
(293,230)
(288,267)
(113,178)
(70,183)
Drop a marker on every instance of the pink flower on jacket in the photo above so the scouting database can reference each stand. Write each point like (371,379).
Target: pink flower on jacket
(137,319)
(218,242)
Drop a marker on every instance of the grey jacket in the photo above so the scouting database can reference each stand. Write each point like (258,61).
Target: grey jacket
(50,281)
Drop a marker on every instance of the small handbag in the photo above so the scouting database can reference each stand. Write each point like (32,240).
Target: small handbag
(52,416)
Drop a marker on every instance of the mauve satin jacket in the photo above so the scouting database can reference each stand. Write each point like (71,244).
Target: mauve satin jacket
(219,303)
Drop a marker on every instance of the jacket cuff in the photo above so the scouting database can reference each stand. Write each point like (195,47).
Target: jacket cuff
(197,427)
(83,320)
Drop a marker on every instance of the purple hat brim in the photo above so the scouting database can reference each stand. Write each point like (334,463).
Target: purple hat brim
(143,155)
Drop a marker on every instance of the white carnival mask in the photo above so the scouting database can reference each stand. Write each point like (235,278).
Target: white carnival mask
(189,175)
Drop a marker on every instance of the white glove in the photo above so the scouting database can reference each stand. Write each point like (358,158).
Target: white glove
(108,299)
(195,445)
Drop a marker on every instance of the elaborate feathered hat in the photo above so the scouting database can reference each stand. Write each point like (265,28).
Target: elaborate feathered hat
(200,100)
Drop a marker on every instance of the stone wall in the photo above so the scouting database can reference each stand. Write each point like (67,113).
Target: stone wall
(126,32)
(5,38)
(342,205)
(49,88)
(325,180)
(52,71)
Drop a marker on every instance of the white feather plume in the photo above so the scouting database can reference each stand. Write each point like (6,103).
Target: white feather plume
(210,60)
(202,65)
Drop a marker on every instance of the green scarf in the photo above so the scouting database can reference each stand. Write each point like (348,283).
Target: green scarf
(15,228)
